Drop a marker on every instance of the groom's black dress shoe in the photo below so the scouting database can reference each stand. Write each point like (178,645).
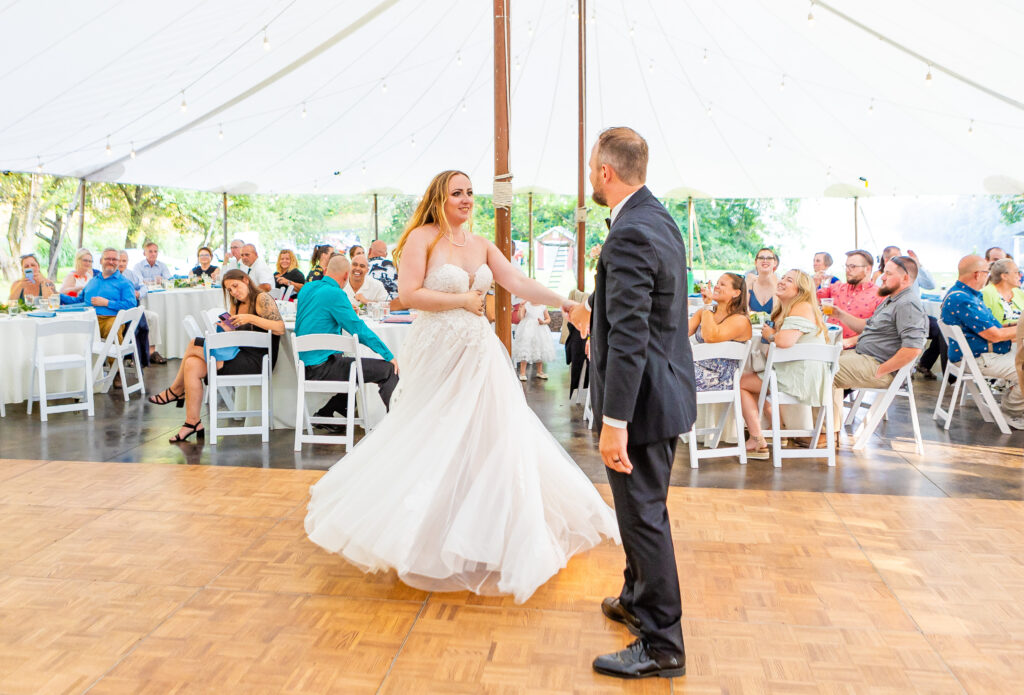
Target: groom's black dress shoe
(638,661)
(614,610)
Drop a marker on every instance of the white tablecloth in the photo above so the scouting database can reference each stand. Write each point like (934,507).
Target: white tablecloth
(285,386)
(18,338)
(173,306)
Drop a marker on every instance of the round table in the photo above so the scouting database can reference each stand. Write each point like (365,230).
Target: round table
(18,337)
(172,306)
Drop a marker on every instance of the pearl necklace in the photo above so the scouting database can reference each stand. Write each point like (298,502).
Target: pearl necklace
(451,238)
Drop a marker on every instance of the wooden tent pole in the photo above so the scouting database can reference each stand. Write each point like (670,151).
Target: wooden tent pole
(376,227)
(81,217)
(224,207)
(581,89)
(856,232)
(502,215)
(529,252)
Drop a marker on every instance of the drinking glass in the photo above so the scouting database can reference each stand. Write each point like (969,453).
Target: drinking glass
(12,307)
(826,306)
(54,302)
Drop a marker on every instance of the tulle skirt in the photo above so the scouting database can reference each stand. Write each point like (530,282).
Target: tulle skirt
(460,487)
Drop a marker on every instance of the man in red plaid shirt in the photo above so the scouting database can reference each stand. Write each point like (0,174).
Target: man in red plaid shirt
(857,296)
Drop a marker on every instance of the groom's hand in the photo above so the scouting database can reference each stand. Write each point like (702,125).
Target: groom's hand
(579,316)
(613,449)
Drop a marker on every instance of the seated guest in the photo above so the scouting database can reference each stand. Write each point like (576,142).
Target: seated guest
(262,276)
(108,293)
(821,263)
(763,281)
(986,338)
(924,281)
(205,266)
(361,288)
(323,307)
(321,254)
(890,339)
(994,254)
(82,274)
(382,268)
(936,350)
(251,310)
(857,297)
(147,335)
(149,269)
(1003,295)
(795,320)
(234,259)
(355,250)
(718,324)
(32,282)
(288,273)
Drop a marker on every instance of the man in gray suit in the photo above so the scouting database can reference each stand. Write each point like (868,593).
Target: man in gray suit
(643,396)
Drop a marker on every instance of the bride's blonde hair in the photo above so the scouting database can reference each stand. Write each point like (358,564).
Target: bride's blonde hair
(431,211)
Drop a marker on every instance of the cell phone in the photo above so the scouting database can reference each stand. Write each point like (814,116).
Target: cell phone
(29,275)
(226,319)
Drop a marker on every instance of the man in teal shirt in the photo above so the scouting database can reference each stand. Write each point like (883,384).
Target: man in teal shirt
(323,307)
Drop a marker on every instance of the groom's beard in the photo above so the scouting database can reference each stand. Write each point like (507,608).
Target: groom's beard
(598,197)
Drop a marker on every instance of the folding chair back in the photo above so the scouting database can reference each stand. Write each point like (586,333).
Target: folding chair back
(354,386)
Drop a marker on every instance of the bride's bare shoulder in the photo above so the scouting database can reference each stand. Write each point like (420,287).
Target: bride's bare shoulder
(423,235)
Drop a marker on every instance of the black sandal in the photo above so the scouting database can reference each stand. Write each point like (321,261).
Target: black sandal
(163,399)
(200,433)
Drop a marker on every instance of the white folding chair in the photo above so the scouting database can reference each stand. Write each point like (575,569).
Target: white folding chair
(835,334)
(288,292)
(902,385)
(581,395)
(731,397)
(211,317)
(828,354)
(43,363)
(193,331)
(969,377)
(354,386)
(277,294)
(116,348)
(254,339)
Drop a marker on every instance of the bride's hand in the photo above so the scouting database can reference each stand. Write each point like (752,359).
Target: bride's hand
(473,301)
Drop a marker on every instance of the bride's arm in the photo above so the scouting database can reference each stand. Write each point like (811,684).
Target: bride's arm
(513,280)
(411,291)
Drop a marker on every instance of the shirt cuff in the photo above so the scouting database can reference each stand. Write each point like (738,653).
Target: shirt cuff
(612,422)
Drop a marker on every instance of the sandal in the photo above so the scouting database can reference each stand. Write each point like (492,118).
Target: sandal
(542,376)
(165,397)
(760,453)
(200,433)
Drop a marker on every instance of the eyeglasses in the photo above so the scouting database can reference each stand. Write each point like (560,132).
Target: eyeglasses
(851,266)
(765,258)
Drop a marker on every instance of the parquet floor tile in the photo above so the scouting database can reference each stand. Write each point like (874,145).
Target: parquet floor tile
(84,484)
(61,635)
(147,548)
(258,643)
(228,492)
(10,468)
(29,529)
(983,664)
(285,560)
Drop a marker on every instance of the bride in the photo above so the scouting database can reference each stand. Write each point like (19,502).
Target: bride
(460,487)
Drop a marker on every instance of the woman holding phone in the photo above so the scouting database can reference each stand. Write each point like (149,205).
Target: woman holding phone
(248,310)
(32,283)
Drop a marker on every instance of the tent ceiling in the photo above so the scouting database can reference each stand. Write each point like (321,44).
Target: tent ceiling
(779,108)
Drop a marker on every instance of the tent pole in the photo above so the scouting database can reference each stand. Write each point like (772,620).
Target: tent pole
(376,227)
(224,207)
(529,251)
(81,217)
(502,215)
(581,87)
(856,233)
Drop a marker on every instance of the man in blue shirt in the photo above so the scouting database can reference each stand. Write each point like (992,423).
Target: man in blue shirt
(323,307)
(108,293)
(149,269)
(989,341)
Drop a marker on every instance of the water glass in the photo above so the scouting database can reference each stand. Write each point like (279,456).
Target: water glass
(54,302)
(13,309)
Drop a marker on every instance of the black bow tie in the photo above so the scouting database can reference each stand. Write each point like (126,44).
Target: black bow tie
(608,222)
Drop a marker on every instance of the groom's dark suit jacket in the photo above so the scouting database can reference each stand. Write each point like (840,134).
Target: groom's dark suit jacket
(640,347)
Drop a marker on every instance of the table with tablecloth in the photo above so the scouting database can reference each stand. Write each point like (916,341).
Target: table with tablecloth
(285,385)
(18,337)
(172,306)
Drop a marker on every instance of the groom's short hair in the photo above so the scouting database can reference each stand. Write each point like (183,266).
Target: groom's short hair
(625,151)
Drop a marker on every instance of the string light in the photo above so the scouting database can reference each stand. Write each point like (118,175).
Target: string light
(132,153)
(970,127)
(707,56)
(517,63)
(109,151)
(39,166)
(364,169)
(383,86)
(871,107)
(184,104)
(304,109)
(266,40)
(782,84)
(810,15)
(315,186)
(769,143)
(650,65)
(463,105)
(220,131)
(632,29)
(529,28)
(828,172)
(928,77)
(412,142)
(709,109)
(458,58)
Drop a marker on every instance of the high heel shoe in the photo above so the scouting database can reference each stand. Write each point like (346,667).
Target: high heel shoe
(163,398)
(200,433)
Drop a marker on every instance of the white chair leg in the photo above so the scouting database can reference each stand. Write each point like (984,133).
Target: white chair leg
(875,414)
(42,393)
(737,414)
(265,406)
(32,387)
(953,402)
(301,414)
(776,437)
(918,442)
(692,444)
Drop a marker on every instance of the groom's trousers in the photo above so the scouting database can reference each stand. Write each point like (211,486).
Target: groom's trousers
(651,587)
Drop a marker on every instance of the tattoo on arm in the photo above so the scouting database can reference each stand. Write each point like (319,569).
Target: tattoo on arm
(267,307)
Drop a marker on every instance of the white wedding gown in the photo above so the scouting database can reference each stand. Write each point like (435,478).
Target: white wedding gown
(460,487)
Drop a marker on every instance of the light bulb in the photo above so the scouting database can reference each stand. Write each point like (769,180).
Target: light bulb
(650,65)
(364,168)
(928,77)
(828,173)
(314,184)
(412,142)
(132,154)
(632,29)
(109,151)
(458,58)
(970,128)
(39,167)
(383,86)
(304,109)
(707,57)
(529,28)
(769,143)
(810,15)
(782,84)
(709,110)
(871,107)
(266,40)
(517,62)
(184,104)
(463,106)
(220,131)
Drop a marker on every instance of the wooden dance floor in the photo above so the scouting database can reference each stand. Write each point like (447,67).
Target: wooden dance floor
(160,578)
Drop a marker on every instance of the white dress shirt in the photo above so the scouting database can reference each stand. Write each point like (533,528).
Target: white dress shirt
(260,273)
(372,289)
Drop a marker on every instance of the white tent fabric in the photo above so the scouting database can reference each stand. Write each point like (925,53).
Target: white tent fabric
(737,99)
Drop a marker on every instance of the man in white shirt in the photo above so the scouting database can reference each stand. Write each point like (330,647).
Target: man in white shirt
(234,259)
(149,269)
(260,273)
(152,319)
(361,288)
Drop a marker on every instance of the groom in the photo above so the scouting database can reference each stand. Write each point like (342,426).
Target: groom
(643,394)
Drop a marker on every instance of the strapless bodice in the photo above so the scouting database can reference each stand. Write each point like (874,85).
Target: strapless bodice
(454,279)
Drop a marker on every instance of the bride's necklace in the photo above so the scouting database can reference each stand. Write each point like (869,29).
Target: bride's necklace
(451,238)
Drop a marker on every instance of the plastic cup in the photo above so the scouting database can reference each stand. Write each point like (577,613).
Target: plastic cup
(826,306)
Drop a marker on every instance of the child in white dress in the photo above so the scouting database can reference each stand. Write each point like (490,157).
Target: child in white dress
(533,339)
